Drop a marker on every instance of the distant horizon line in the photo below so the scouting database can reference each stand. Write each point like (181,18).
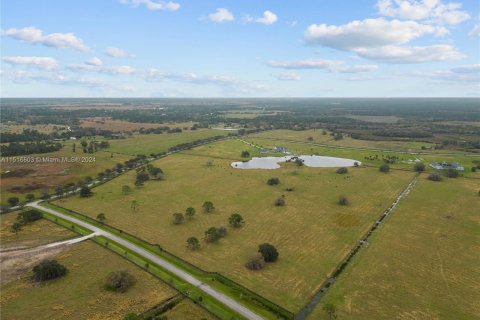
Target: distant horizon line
(333,97)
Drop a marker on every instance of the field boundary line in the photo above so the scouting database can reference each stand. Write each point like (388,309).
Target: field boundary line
(317,296)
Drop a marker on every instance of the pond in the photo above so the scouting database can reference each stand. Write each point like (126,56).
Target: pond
(309,161)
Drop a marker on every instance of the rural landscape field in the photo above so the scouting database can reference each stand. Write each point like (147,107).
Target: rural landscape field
(240,160)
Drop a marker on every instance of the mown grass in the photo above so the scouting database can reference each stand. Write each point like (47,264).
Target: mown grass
(312,233)
(421,264)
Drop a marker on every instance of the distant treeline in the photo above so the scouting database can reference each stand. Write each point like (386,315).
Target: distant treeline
(15,149)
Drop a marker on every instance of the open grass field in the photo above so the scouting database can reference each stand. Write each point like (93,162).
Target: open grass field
(126,126)
(47,176)
(33,234)
(82,291)
(312,232)
(422,264)
(154,143)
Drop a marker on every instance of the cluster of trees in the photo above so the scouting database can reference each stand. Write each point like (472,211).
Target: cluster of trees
(147,173)
(266,253)
(24,218)
(213,234)
(16,149)
(160,130)
(245,154)
(91,146)
(48,270)
(384,168)
(26,135)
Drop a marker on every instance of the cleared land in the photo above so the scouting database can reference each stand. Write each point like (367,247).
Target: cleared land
(422,264)
(312,233)
(83,294)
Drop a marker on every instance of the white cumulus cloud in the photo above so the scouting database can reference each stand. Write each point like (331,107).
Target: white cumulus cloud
(366,33)
(221,15)
(427,10)
(153,5)
(94,61)
(115,52)
(35,36)
(268,18)
(46,63)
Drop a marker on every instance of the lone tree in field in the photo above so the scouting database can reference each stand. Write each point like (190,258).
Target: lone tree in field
(126,189)
(245,154)
(273,181)
(236,220)
(342,170)
(342,200)
(134,205)
(48,270)
(280,202)
(16,227)
(119,281)
(193,243)
(190,212)
(419,167)
(255,263)
(434,176)
(30,197)
(268,252)
(101,217)
(384,168)
(211,235)
(330,310)
(178,218)
(85,192)
(208,206)
(13,201)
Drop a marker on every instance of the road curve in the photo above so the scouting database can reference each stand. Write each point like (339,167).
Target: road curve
(232,304)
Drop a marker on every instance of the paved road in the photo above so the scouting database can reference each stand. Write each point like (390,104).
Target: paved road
(232,304)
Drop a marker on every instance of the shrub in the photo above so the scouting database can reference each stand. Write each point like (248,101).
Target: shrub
(25,217)
(193,243)
(384,168)
(280,202)
(178,218)
(211,235)
(190,212)
(342,200)
(236,220)
(268,252)
(245,154)
(85,192)
(13,201)
(119,281)
(419,167)
(255,263)
(434,176)
(342,170)
(451,173)
(273,181)
(48,270)
(208,206)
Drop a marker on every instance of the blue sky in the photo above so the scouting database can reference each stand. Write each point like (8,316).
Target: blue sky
(221,48)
